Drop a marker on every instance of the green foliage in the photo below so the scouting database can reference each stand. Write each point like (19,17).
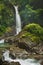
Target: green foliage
(28,10)
(6,17)
(2,30)
(28,14)
(35,39)
(35,30)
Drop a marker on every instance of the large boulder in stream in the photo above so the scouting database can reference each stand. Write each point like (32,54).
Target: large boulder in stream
(12,56)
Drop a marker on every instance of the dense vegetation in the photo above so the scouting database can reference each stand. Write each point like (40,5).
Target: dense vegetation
(30,11)
(30,39)
(34,31)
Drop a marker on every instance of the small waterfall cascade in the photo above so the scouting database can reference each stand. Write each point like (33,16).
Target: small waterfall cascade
(6,56)
(18,20)
(1,41)
(21,61)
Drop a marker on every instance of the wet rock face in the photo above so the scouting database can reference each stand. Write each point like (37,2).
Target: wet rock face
(41,62)
(14,63)
(12,56)
(29,46)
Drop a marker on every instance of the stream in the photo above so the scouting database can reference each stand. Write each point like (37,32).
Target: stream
(21,61)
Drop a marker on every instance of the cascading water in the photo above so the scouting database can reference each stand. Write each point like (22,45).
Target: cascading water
(21,61)
(18,20)
(1,41)
(6,56)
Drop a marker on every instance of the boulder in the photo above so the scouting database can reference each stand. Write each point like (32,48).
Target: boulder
(5,63)
(12,56)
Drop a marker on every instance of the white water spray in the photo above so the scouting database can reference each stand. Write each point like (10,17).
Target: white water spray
(1,41)
(18,20)
(21,61)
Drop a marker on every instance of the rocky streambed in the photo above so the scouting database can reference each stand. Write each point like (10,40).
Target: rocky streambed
(23,51)
(17,61)
(20,56)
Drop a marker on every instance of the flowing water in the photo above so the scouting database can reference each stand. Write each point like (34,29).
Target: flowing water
(1,41)
(21,61)
(18,20)
(6,53)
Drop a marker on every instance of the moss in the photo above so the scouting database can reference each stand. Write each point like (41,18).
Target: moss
(33,28)
(35,38)
(34,31)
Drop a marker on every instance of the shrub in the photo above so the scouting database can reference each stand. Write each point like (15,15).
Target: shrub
(34,29)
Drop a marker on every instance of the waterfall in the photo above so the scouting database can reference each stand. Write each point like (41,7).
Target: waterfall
(18,20)
(21,61)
